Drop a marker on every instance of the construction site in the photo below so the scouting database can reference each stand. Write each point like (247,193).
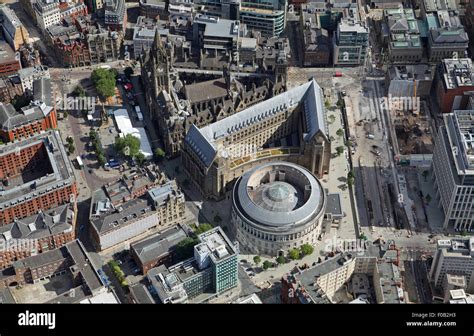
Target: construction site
(409,113)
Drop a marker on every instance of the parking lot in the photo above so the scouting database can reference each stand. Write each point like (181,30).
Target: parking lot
(44,290)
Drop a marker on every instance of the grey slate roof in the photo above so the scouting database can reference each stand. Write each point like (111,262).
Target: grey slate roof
(309,94)
(128,211)
(40,107)
(40,225)
(456,35)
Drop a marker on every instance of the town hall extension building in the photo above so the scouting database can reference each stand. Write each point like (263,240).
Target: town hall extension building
(176,105)
(288,127)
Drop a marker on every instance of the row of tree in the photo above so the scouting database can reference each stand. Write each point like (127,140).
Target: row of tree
(293,254)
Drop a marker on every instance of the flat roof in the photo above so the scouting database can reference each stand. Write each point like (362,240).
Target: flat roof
(6,53)
(208,90)
(333,205)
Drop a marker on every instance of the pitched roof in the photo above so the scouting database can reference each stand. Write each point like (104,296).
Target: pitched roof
(309,94)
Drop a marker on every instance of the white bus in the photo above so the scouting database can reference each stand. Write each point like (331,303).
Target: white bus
(79,162)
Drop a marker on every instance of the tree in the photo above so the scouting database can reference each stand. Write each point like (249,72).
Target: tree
(185,248)
(340,103)
(101,159)
(160,154)
(128,72)
(281,260)
(362,236)
(266,265)
(70,148)
(340,132)
(428,198)
(79,91)
(257,260)
(339,150)
(327,104)
(294,254)
(350,178)
(306,249)
(140,157)
(332,118)
(128,146)
(204,227)
(104,81)
(425,174)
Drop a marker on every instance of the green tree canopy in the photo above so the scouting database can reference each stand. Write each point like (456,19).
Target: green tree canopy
(79,91)
(203,227)
(104,81)
(159,154)
(350,178)
(267,264)
(257,259)
(306,249)
(281,260)
(140,157)
(128,146)
(185,248)
(339,150)
(340,132)
(294,254)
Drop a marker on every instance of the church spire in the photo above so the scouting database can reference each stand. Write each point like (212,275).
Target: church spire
(157,40)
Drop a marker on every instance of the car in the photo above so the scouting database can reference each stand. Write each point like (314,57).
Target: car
(251,274)
(81,227)
(136,271)
(119,262)
(249,269)
(243,261)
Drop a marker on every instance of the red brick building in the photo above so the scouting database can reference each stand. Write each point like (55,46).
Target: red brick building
(455,80)
(39,233)
(39,116)
(9,62)
(72,53)
(35,174)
